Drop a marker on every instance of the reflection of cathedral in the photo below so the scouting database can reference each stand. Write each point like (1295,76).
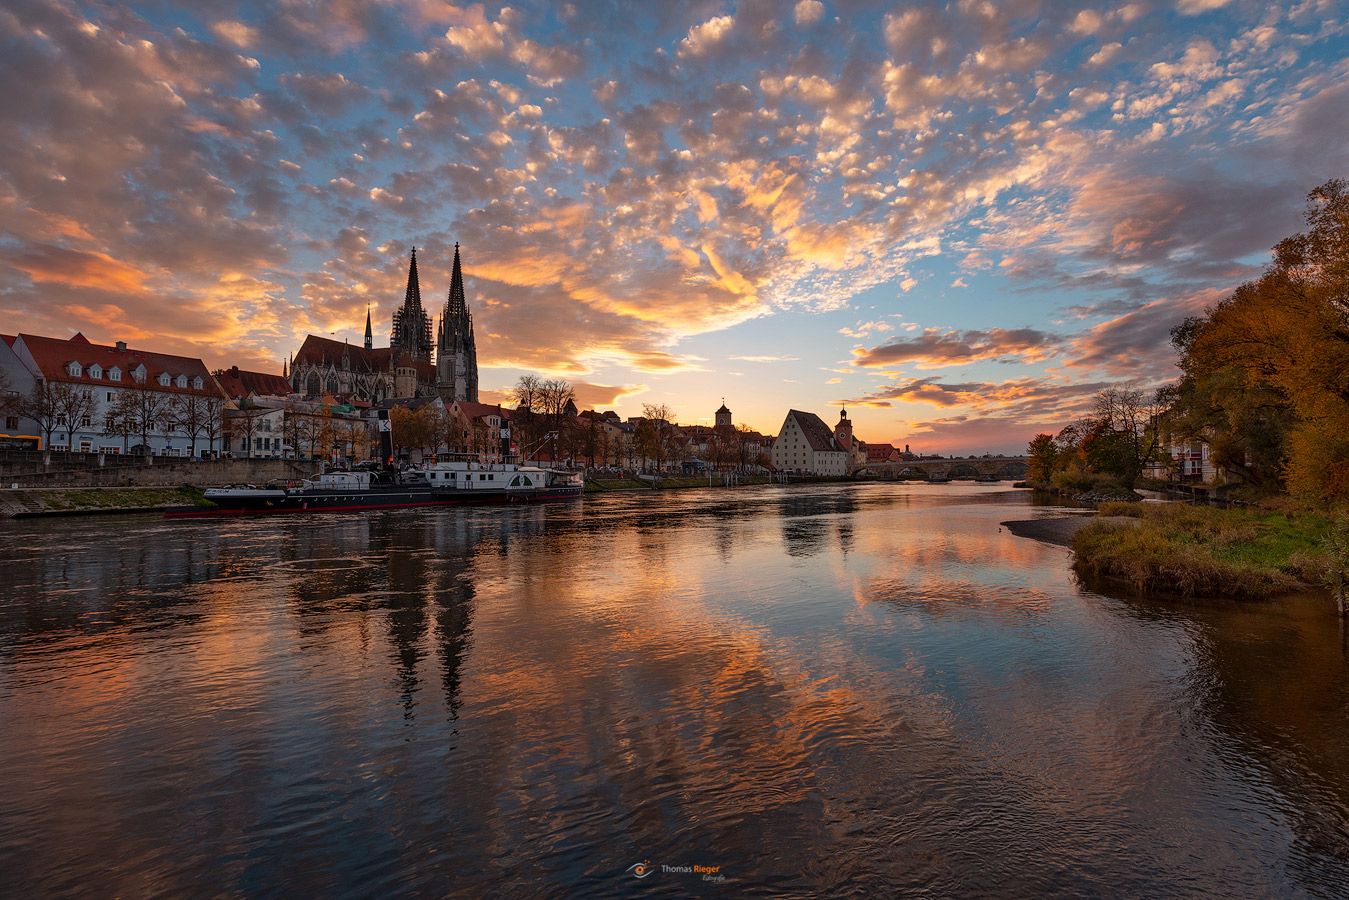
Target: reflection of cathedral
(405,368)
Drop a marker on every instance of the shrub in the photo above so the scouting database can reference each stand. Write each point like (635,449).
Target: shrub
(1196,550)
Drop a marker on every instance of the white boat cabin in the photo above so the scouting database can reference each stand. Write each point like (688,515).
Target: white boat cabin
(339,481)
(472,476)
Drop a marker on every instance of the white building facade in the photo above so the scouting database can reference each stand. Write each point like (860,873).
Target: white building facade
(806,445)
(133,400)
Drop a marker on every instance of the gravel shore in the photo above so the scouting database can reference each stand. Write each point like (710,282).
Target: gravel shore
(1057,530)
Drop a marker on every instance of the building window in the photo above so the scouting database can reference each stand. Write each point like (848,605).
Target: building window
(73,369)
(95,371)
(163,379)
(87,422)
(196,382)
(182,381)
(12,422)
(114,374)
(138,374)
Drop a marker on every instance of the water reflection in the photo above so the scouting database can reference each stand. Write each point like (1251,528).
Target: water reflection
(847,689)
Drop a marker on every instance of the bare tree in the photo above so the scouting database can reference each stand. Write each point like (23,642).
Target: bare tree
(652,437)
(746,447)
(244,423)
(41,406)
(119,419)
(555,395)
(72,405)
(1131,422)
(528,392)
(212,419)
(189,414)
(149,409)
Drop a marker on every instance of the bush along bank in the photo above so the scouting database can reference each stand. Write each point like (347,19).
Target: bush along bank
(1179,549)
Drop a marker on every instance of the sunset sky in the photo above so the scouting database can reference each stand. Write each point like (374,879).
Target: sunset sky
(962,219)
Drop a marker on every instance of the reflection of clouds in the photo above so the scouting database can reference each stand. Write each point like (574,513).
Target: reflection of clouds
(918,702)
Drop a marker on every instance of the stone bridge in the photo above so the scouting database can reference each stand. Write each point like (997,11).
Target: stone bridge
(1011,468)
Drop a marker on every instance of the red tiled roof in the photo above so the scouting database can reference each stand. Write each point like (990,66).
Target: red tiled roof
(477,410)
(320,351)
(237,382)
(52,355)
(879,452)
(8,339)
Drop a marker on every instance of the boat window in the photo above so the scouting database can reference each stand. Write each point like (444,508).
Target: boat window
(525,480)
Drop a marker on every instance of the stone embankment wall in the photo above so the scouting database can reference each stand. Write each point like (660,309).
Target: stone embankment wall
(163,472)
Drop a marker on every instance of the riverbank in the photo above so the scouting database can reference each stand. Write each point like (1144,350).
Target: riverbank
(25,504)
(1059,530)
(1180,549)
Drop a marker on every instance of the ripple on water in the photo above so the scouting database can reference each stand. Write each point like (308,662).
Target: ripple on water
(837,690)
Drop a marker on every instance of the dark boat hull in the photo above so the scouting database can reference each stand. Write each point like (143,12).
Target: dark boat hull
(377,498)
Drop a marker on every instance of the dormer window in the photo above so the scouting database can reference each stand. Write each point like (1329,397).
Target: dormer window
(182,381)
(114,374)
(74,369)
(95,371)
(163,379)
(196,382)
(138,374)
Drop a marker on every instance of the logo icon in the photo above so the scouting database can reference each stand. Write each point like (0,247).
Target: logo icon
(641,869)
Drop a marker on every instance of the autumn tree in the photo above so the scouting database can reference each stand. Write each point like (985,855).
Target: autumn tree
(1044,455)
(416,429)
(1282,342)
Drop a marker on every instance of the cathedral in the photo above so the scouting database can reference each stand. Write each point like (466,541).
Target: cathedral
(405,368)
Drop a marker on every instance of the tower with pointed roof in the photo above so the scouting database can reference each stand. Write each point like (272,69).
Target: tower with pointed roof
(456,349)
(369,335)
(411,325)
(723,418)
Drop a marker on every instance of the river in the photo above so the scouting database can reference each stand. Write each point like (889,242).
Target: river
(843,689)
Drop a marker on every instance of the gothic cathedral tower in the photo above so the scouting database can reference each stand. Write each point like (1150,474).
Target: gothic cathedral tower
(456,351)
(411,325)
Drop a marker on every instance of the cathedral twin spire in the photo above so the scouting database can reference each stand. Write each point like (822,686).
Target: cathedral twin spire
(411,324)
(456,353)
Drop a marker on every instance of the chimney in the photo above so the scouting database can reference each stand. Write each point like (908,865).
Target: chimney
(121,346)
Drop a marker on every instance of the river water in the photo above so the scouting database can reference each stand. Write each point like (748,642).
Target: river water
(844,689)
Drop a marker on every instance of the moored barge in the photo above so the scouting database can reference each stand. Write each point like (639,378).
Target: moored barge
(441,484)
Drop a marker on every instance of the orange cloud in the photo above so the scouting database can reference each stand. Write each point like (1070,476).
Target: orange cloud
(45,263)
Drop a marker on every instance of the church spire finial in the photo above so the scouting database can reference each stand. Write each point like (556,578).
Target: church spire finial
(456,306)
(369,336)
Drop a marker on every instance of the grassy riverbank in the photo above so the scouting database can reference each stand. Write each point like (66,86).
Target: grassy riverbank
(1174,548)
(77,501)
